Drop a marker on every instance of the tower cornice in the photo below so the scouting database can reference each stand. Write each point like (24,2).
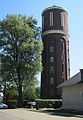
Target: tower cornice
(54,31)
(54,7)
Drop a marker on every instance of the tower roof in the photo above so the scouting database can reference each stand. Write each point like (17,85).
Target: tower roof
(54,7)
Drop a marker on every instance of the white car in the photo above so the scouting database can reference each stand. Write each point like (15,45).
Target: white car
(2,105)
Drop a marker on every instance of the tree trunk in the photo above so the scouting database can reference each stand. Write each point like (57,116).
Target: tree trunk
(4,92)
(20,96)
(19,89)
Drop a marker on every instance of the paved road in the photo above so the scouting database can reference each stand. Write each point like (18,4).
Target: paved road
(24,114)
(5,116)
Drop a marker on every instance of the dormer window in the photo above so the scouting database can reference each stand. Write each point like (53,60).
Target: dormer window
(51,18)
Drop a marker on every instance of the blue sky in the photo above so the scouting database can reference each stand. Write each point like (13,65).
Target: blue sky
(75,19)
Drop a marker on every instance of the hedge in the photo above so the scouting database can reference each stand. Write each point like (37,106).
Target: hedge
(49,103)
(25,103)
(12,104)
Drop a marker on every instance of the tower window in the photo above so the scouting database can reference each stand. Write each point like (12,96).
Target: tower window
(51,40)
(62,77)
(62,67)
(62,41)
(51,69)
(62,57)
(62,19)
(51,18)
(51,92)
(51,59)
(51,80)
(51,49)
(43,22)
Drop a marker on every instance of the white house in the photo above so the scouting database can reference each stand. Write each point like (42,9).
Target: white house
(1,97)
(72,92)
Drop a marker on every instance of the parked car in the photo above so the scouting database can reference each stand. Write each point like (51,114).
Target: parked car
(31,105)
(2,105)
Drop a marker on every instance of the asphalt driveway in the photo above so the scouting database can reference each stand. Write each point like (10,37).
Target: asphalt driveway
(26,114)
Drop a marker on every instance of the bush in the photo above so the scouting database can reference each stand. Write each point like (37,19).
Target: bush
(25,103)
(57,104)
(49,103)
(12,104)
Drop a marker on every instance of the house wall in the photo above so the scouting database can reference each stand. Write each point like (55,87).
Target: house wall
(73,97)
(1,99)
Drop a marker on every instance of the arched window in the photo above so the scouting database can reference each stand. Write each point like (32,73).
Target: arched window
(63,78)
(51,59)
(51,48)
(51,92)
(43,22)
(51,80)
(51,18)
(62,57)
(62,20)
(51,70)
(63,44)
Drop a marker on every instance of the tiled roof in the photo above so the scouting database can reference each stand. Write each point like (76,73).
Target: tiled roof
(72,81)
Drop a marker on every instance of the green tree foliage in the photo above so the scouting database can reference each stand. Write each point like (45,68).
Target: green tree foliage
(20,52)
(32,91)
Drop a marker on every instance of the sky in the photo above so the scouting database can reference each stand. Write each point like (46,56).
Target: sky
(75,22)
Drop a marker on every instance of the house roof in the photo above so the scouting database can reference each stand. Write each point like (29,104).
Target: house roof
(72,81)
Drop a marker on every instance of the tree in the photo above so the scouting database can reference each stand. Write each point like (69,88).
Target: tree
(20,51)
(32,90)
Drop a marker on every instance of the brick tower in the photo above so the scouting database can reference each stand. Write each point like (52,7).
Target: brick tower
(55,56)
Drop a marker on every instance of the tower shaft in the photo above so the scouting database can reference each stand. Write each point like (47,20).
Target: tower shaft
(55,56)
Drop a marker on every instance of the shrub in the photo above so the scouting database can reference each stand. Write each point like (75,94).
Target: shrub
(25,103)
(57,104)
(49,103)
(12,104)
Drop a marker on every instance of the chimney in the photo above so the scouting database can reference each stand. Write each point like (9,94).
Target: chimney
(81,71)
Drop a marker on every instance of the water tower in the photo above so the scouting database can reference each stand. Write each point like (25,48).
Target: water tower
(55,56)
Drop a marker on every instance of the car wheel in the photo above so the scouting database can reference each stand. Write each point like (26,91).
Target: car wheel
(4,107)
